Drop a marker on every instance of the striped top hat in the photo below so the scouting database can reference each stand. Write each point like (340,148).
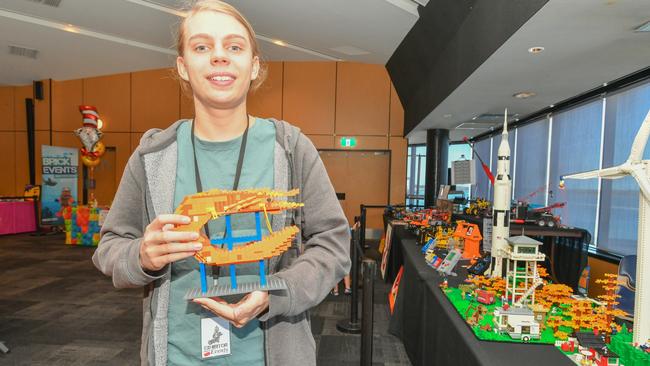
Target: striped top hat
(89,115)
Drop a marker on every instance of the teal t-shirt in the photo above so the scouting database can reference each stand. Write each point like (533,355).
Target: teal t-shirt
(217,163)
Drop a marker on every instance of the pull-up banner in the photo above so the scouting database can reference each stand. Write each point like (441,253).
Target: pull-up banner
(60,174)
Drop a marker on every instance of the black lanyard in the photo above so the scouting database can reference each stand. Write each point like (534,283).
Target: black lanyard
(240,163)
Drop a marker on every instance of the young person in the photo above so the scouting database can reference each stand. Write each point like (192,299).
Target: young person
(219,59)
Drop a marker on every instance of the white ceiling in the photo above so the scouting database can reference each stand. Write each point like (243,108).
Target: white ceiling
(111,27)
(587,43)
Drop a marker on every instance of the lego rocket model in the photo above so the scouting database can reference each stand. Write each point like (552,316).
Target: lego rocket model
(501,205)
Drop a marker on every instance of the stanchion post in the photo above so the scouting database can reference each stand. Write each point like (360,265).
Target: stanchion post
(362,229)
(369,268)
(352,325)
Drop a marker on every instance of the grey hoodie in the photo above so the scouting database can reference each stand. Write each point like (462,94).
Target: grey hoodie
(311,267)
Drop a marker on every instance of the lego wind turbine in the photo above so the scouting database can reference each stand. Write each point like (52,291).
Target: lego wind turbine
(639,170)
(501,206)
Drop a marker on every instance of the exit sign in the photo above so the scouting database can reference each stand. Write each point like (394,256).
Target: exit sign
(348,141)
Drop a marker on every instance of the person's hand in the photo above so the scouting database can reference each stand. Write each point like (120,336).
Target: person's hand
(238,314)
(161,246)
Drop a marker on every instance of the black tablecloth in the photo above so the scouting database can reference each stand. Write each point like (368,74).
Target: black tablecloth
(433,332)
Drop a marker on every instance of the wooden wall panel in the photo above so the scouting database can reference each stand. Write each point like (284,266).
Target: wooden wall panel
(67,96)
(396,114)
(22,158)
(266,101)
(135,140)
(398,155)
(336,164)
(322,141)
(122,144)
(368,175)
(8,163)
(7,108)
(364,143)
(362,98)
(187,106)
(154,99)
(309,96)
(42,108)
(68,139)
(112,97)
(598,268)
(20,117)
(105,177)
(363,177)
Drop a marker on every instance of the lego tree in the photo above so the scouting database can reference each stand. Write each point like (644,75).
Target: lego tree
(554,322)
(609,285)
(542,272)
(561,335)
(553,295)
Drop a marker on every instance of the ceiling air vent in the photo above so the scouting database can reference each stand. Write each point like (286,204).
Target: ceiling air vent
(22,51)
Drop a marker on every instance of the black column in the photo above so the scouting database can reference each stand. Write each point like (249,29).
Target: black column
(437,152)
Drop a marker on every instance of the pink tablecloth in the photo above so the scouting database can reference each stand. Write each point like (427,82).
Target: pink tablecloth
(17,217)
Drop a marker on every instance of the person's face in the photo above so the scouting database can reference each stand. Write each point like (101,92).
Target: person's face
(218,60)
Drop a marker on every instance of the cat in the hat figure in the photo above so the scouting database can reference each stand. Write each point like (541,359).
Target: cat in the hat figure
(90,136)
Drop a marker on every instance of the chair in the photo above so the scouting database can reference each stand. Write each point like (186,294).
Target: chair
(627,285)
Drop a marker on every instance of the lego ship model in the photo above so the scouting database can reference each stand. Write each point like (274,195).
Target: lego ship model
(205,206)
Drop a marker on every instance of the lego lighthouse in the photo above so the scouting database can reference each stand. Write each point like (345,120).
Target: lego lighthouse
(501,206)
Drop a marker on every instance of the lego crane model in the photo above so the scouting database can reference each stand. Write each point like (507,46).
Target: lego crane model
(639,169)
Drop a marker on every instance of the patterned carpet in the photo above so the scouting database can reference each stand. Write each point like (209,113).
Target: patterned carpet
(57,309)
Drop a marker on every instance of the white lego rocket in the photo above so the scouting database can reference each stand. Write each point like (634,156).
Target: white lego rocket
(639,169)
(501,204)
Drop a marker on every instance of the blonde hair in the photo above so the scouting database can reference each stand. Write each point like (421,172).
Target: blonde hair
(225,8)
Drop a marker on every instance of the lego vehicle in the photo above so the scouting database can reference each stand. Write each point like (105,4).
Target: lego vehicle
(485,297)
(478,207)
(522,213)
(519,323)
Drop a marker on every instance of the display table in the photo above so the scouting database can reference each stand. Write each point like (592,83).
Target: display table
(17,217)
(433,332)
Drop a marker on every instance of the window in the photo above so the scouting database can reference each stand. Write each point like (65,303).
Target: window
(416,174)
(532,156)
(483,186)
(619,205)
(575,148)
(460,152)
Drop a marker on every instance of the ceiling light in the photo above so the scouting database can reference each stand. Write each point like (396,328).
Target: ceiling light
(70,28)
(536,50)
(447,115)
(350,50)
(524,95)
(279,42)
(645,27)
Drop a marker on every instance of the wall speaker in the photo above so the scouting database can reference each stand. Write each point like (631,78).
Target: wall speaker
(38,90)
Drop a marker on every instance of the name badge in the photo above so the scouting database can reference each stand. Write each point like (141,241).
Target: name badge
(215,337)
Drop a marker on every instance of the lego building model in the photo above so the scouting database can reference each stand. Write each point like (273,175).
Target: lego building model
(205,206)
(469,235)
(501,205)
(639,170)
(522,279)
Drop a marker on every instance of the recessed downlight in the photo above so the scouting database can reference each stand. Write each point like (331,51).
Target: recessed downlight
(536,49)
(524,95)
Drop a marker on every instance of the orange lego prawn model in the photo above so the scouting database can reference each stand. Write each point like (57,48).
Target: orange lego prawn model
(205,206)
